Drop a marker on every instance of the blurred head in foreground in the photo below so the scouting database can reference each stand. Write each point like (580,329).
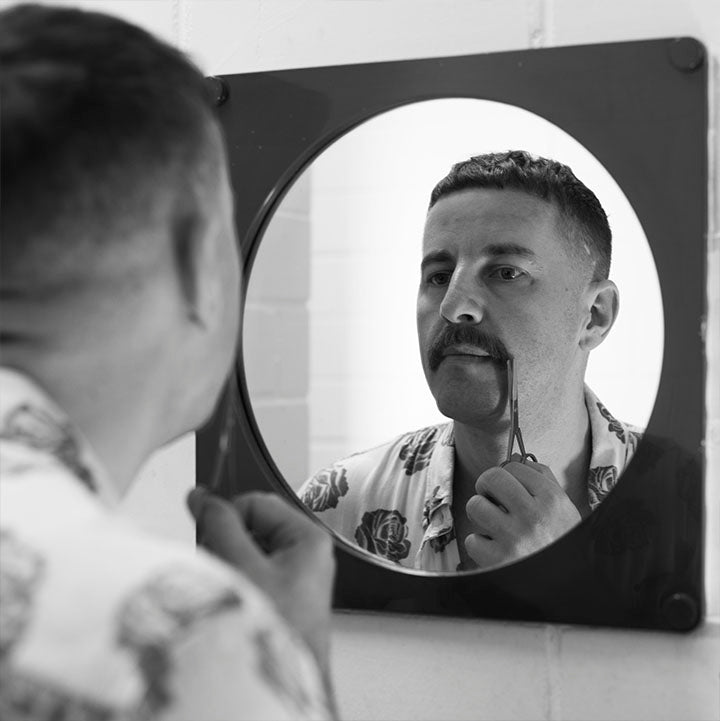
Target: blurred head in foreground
(119,278)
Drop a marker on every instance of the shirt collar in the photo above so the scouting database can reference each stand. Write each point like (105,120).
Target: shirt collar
(437,522)
(30,421)
(613,445)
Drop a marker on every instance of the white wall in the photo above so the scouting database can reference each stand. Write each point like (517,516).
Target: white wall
(389,667)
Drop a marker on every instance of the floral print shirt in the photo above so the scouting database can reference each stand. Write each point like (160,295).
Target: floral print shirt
(395,500)
(100,621)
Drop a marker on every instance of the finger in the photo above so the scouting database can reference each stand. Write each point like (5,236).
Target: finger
(222,531)
(501,486)
(485,552)
(278,525)
(486,517)
(537,479)
(542,468)
(196,501)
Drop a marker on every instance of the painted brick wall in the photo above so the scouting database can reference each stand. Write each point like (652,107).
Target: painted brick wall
(275,334)
(395,668)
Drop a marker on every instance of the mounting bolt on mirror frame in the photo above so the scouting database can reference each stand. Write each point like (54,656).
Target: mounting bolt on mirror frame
(686,54)
(681,611)
(217,89)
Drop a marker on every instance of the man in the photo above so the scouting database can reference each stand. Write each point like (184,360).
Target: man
(120,297)
(516,256)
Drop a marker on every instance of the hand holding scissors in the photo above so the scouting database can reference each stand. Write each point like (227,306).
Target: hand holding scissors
(519,507)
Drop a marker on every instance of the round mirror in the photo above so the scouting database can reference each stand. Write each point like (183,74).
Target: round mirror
(330,342)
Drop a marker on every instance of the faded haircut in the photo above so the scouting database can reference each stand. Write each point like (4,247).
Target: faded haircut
(585,222)
(105,133)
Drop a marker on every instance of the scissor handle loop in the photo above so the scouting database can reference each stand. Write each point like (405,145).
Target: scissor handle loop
(524,458)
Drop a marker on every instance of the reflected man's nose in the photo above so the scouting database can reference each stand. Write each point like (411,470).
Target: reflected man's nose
(462,302)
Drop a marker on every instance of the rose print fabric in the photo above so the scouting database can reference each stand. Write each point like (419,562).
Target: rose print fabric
(101,621)
(384,533)
(395,500)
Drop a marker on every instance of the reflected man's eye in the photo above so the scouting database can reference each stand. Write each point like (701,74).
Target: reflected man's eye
(507,272)
(440,278)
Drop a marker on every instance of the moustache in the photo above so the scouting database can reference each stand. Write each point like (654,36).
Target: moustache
(452,335)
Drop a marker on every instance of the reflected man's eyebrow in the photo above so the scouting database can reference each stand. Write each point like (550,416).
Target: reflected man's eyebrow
(492,251)
(436,256)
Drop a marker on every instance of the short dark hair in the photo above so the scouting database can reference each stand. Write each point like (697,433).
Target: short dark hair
(103,130)
(546,179)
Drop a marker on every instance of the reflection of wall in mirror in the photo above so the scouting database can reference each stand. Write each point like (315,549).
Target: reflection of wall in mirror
(368,201)
(275,323)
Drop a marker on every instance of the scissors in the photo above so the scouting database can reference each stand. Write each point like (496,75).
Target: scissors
(515,432)
(232,405)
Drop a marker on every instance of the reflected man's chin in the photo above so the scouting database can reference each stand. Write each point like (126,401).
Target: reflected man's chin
(470,389)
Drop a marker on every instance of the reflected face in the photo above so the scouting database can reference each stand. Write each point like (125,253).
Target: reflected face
(498,279)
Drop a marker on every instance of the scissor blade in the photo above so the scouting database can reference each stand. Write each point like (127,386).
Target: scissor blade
(512,406)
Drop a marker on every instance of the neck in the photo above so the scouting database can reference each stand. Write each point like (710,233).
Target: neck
(112,410)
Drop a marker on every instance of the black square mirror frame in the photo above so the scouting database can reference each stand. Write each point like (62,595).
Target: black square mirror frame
(641,109)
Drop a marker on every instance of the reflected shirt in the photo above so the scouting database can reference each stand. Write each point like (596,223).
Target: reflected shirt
(100,620)
(395,500)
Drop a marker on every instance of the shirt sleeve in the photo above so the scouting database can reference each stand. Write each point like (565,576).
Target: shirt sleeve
(208,645)
(231,667)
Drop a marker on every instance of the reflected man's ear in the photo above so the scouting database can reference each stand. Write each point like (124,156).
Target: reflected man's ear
(602,305)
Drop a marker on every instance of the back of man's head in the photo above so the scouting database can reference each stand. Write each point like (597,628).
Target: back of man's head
(583,219)
(105,149)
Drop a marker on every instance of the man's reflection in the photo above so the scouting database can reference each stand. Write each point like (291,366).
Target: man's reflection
(516,256)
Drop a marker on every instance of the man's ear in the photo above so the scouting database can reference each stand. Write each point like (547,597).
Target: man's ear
(603,303)
(189,253)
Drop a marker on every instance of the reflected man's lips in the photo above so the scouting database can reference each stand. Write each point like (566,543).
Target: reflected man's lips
(465,350)
(465,344)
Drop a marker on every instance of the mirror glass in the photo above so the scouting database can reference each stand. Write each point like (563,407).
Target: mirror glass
(330,347)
